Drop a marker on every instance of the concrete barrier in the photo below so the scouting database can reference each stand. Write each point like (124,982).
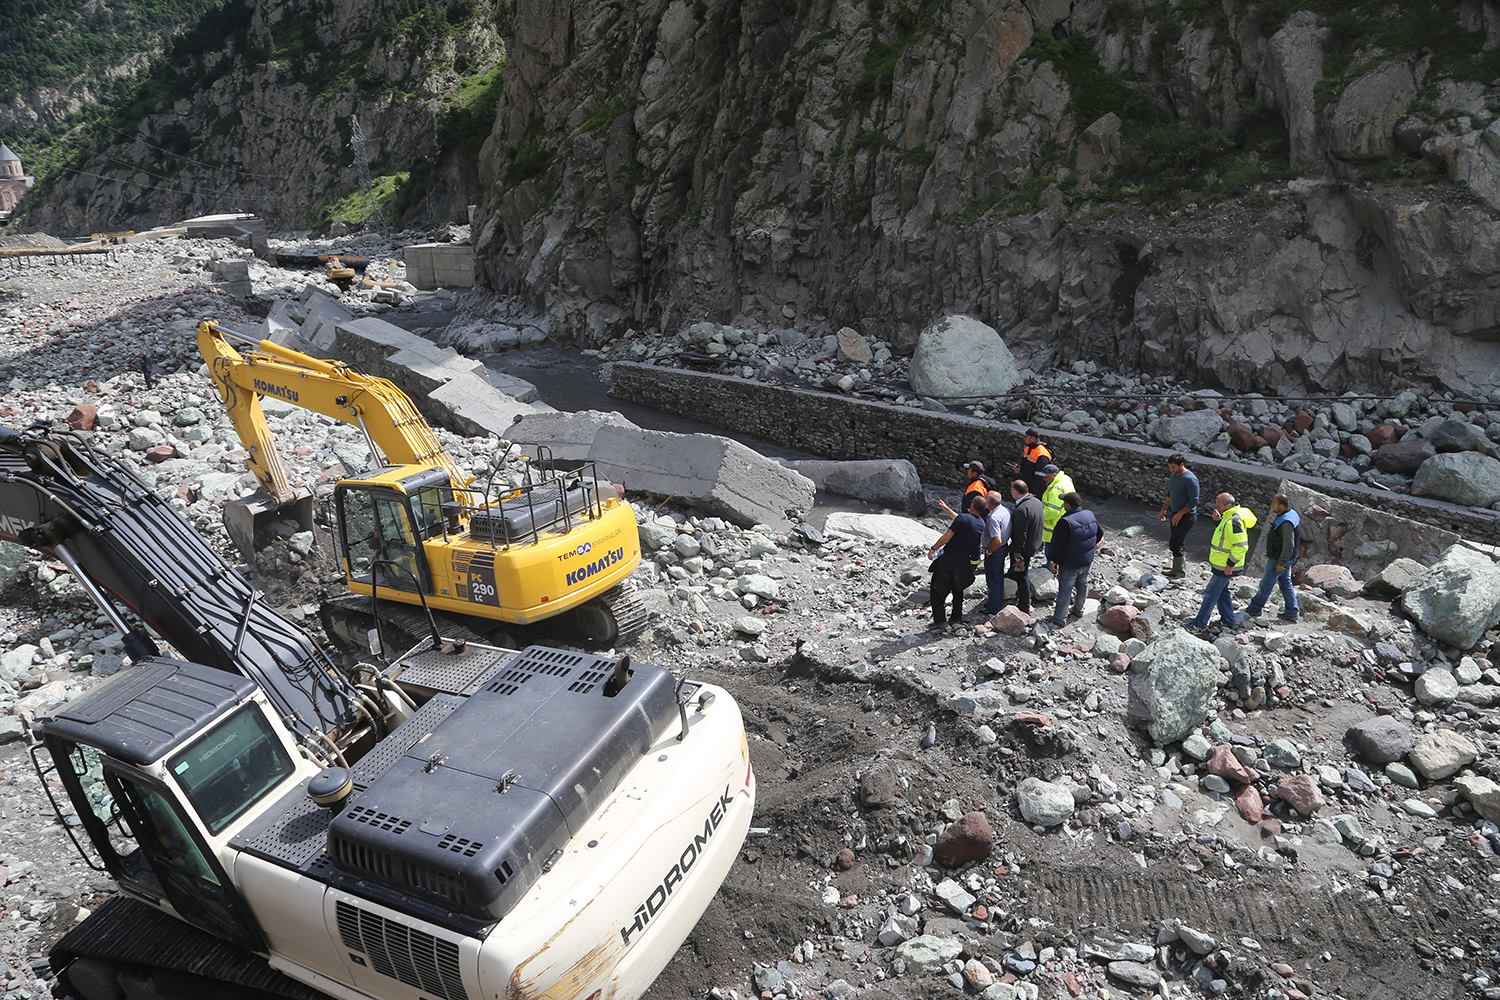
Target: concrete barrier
(938,443)
(439,265)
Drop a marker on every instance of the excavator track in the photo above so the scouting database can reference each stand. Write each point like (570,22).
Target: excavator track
(125,940)
(614,617)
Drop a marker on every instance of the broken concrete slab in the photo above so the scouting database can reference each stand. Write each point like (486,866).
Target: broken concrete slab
(889,529)
(439,265)
(469,405)
(516,388)
(890,482)
(721,476)
(323,313)
(570,436)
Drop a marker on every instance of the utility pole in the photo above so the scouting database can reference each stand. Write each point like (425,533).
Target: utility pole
(362,161)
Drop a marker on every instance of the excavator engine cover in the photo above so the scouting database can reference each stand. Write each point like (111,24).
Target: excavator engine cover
(470,817)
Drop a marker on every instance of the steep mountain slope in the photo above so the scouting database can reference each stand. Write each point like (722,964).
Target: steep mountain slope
(253,109)
(1254,193)
(60,60)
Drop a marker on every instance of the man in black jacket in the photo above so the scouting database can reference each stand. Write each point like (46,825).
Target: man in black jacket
(1025,539)
(955,559)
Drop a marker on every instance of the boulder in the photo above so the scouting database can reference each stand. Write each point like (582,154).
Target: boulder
(1293,67)
(970,839)
(928,952)
(1460,435)
(1381,740)
(853,347)
(1482,793)
(1099,148)
(1436,687)
(720,476)
(958,357)
(1334,579)
(1402,457)
(1396,577)
(1456,600)
(1044,803)
(1119,618)
(15,664)
(1193,429)
(1467,478)
(890,529)
(82,417)
(1011,620)
(1301,792)
(570,436)
(1442,754)
(1362,122)
(1172,685)
(889,482)
(1244,438)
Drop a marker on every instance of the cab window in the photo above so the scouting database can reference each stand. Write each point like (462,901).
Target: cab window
(228,769)
(427,505)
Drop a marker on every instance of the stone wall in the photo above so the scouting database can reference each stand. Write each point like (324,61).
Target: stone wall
(439,265)
(938,443)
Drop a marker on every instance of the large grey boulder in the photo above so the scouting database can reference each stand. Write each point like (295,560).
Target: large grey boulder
(928,953)
(1193,429)
(889,529)
(570,436)
(1397,576)
(1403,457)
(15,664)
(1456,600)
(1172,685)
(1466,477)
(1362,124)
(890,482)
(1442,754)
(1380,740)
(720,476)
(958,357)
(1044,803)
(1460,435)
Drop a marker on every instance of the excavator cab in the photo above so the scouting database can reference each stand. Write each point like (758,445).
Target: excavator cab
(160,765)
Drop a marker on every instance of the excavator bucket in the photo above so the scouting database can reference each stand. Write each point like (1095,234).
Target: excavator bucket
(251,521)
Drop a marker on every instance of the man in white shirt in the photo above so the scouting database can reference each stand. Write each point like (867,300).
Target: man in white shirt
(994,548)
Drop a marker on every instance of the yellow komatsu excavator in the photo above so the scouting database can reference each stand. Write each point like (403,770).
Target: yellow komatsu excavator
(419,530)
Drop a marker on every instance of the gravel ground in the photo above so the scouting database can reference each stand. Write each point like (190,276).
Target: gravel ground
(1175,868)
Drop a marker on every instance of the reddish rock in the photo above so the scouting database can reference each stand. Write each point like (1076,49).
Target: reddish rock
(1270,827)
(1303,421)
(1011,620)
(1031,719)
(980,912)
(83,417)
(1118,618)
(1226,765)
(1242,437)
(1334,579)
(1142,628)
(1381,435)
(970,839)
(1119,663)
(1300,791)
(1318,514)
(845,859)
(90,386)
(1270,435)
(160,453)
(1248,802)
(1073,986)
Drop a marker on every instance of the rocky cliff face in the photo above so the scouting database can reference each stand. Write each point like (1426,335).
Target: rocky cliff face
(1237,190)
(253,111)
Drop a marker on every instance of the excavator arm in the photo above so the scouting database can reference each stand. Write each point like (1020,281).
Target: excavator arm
(140,561)
(391,424)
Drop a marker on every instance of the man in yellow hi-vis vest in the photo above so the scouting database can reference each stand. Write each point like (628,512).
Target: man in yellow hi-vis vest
(1059,483)
(1227,552)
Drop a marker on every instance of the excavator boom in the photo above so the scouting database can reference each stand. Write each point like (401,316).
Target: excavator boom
(394,429)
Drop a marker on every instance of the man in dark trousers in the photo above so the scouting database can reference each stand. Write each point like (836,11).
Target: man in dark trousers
(1035,457)
(1070,554)
(995,546)
(1025,539)
(1181,507)
(1282,548)
(955,559)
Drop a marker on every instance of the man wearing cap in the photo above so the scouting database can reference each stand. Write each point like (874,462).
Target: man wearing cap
(1035,456)
(1058,484)
(976,486)
(953,560)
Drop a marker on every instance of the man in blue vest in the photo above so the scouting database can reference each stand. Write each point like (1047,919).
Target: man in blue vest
(1070,553)
(1282,548)
(1226,560)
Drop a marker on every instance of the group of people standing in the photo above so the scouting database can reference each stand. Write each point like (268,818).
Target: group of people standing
(1044,516)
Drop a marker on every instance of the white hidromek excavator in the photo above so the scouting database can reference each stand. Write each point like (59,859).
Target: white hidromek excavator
(465,822)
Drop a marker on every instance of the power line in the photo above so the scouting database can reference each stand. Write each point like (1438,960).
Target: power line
(149,187)
(201,163)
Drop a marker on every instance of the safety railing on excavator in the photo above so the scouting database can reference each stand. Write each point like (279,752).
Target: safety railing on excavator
(548,499)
